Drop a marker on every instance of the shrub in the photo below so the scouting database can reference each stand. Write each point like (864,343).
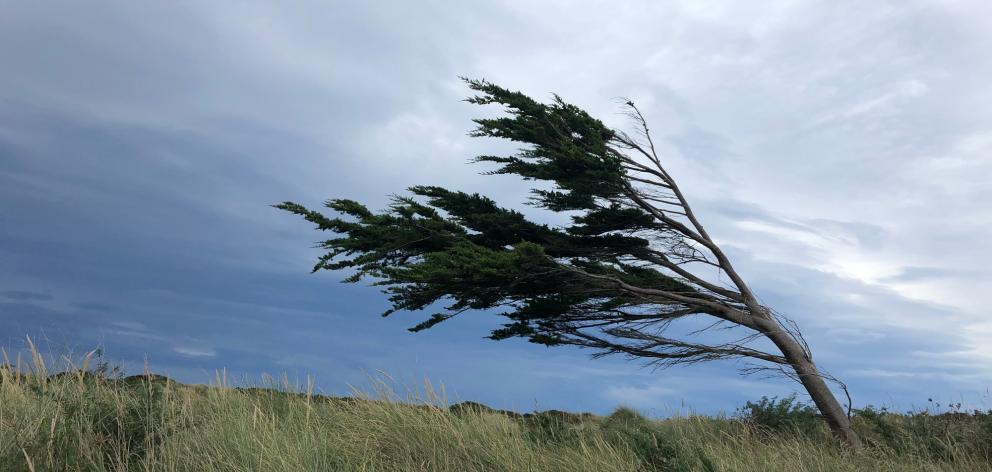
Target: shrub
(554,426)
(778,415)
(648,440)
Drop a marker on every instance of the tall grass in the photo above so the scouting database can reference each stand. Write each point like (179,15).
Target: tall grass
(88,419)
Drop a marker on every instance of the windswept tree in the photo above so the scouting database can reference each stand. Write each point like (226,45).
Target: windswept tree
(634,261)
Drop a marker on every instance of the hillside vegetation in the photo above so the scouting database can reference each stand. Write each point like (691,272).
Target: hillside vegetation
(92,420)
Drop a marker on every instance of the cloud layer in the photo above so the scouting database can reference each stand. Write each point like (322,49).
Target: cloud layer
(839,150)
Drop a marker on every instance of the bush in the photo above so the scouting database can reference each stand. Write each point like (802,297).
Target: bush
(554,426)
(647,439)
(780,415)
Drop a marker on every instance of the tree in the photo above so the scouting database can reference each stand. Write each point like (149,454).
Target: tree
(633,261)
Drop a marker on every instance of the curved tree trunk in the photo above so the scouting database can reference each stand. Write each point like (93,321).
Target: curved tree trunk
(817,388)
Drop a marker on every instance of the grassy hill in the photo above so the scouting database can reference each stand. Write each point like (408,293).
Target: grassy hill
(92,420)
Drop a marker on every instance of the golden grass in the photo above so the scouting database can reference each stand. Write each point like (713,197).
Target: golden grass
(85,421)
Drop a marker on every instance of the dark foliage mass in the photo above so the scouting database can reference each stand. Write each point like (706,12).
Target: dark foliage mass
(436,244)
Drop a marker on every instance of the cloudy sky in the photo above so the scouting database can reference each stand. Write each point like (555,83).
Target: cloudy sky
(840,151)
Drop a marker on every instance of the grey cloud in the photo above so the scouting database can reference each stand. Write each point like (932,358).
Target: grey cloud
(141,144)
(702,147)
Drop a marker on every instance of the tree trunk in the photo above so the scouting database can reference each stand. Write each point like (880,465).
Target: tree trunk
(817,388)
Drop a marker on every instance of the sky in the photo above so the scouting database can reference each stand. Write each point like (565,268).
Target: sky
(839,151)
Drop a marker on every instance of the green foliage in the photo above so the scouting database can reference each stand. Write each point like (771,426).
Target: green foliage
(883,431)
(568,148)
(651,441)
(780,415)
(442,246)
(470,408)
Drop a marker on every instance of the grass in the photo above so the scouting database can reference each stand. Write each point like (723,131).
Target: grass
(89,419)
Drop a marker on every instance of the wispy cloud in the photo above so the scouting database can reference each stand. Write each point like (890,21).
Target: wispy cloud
(195,351)
(641,397)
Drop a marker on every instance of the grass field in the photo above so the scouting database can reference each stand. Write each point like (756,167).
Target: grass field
(92,420)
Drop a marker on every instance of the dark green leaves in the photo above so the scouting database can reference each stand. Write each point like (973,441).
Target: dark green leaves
(567,147)
(442,246)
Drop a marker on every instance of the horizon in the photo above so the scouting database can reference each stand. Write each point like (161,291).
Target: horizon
(839,152)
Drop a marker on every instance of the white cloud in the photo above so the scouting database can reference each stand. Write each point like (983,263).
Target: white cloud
(195,351)
(653,396)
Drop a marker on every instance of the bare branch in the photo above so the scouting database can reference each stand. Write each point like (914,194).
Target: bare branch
(665,350)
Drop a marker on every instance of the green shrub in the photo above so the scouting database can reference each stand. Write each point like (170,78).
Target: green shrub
(781,415)
(553,426)
(649,440)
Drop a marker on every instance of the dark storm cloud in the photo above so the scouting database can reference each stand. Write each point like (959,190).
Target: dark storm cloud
(838,149)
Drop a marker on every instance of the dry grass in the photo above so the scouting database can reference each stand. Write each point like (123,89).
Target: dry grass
(87,420)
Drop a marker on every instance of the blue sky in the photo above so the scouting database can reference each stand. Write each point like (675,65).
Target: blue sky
(840,151)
